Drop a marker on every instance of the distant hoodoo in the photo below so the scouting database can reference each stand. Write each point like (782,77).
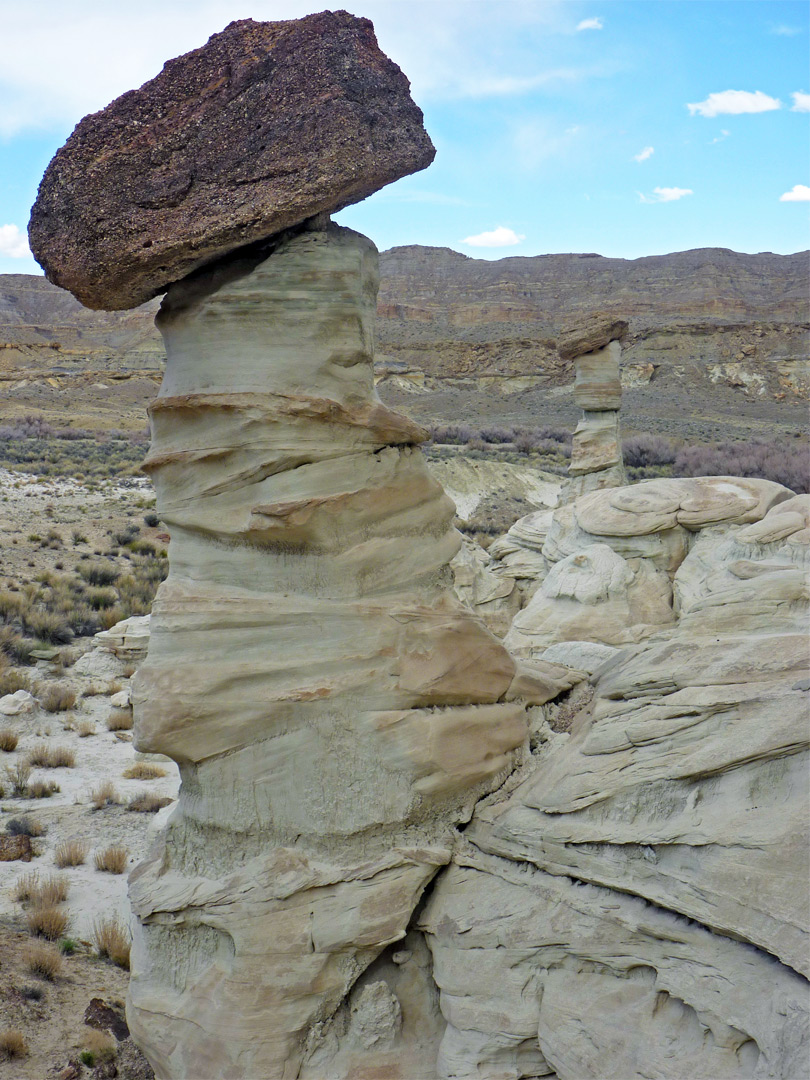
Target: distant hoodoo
(266,125)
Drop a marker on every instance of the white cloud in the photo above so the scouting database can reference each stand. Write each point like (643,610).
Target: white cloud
(801,101)
(499,237)
(13,243)
(665,194)
(647,152)
(719,138)
(60,61)
(786,31)
(798,193)
(735,102)
(591,24)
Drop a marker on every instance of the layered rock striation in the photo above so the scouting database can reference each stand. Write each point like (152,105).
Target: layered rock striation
(334,710)
(635,902)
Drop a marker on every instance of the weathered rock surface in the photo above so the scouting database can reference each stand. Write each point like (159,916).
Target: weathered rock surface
(634,902)
(334,708)
(597,380)
(266,125)
(590,334)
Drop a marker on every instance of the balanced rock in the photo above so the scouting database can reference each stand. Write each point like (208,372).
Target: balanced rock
(266,125)
(589,334)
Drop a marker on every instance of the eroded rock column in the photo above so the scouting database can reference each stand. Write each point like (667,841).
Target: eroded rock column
(596,455)
(333,708)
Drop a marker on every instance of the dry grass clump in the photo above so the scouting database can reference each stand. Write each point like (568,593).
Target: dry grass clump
(52,757)
(112,941)
(12,1044)
(143,770)
(53,890)
(48,922)
(104,795)
(85,729)
(42,789)
(25,886)
(8,740)
(70,853)
(19,774)
(120,720)
(97,1047)
(147,803)
(43,960)
(56,697)
(112,860)
(12,681)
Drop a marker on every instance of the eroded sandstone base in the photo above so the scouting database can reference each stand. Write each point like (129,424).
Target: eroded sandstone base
(333,707)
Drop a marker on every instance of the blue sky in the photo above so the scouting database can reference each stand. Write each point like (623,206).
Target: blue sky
(624,128)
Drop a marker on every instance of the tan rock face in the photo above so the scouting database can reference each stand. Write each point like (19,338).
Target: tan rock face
(597,385)
(266,125)
(334,708)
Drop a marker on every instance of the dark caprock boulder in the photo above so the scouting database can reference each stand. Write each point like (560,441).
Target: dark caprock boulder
(266,125)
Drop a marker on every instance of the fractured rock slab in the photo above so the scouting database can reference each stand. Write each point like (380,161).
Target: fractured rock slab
(266,125)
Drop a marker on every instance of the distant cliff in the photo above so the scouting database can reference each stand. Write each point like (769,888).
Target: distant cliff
(444,319)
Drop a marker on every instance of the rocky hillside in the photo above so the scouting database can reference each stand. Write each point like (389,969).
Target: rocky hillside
(717,335)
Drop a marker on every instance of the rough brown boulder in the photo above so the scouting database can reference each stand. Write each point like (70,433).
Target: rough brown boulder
(589,334)
(266,125)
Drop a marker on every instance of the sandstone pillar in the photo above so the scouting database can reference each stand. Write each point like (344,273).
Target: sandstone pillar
(596,454)
(333,709)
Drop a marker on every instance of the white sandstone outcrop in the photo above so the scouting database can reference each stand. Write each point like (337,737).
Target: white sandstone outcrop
(634,902)
(334,709)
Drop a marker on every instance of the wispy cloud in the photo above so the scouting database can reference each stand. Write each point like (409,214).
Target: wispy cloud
(783,30)
(642,155)
(498,237)
(719,138)
(801,101)
(539,140)
(734,102)
(13,243)
(665,194)
(798,193)
(591,24)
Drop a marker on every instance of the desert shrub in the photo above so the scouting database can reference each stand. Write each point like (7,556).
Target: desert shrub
(12,681)
(42,789)
(70,853)
(643,450)
(16,647)
(8,740)
(785,464)
(44,960)
(112,941)
(143,770)
(24,826)
(97,1047)
(497,434)
(85,729)
(120,720)
(112,860)
(48,626)
(152,520)
(147,803)
(47,922)
(11,604)
(78,537)
(56,697)
(98,573)
(452,434)
(101,598)
(12,1044)
(143,547)
(104,795)
(68,946)
(19,774)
